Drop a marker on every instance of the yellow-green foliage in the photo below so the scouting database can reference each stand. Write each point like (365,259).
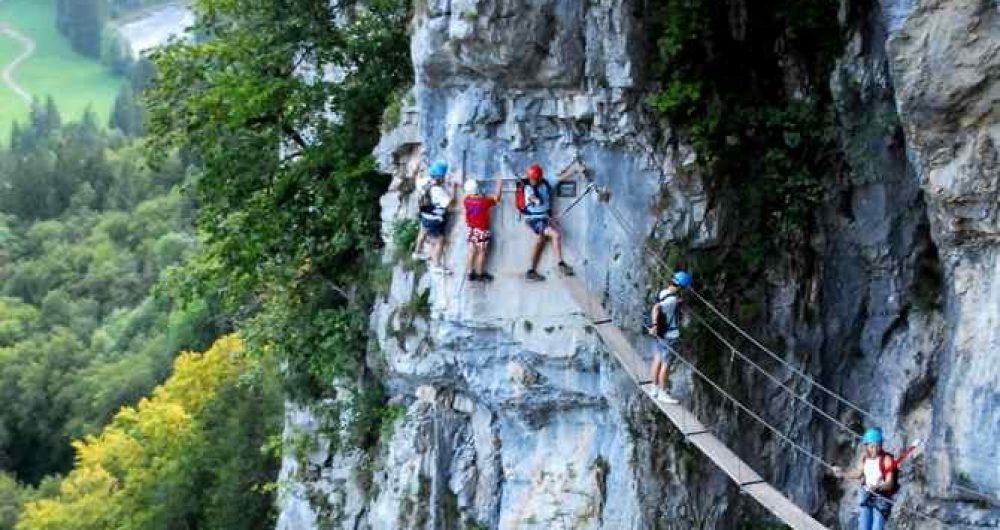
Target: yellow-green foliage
(135,473)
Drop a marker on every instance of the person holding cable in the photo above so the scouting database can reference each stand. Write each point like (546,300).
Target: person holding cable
(877,470)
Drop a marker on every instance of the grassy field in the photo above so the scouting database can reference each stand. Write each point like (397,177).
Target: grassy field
(54,69)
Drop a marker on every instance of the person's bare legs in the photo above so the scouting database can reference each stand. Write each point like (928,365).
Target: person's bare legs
(471,258)
(421,237)
(556,238)
(536,253)
(437,250)
(663,375)
(481,257)
(654,370)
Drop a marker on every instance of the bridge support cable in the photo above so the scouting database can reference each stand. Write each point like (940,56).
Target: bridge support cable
(777,432)
(791,391)
(632,233)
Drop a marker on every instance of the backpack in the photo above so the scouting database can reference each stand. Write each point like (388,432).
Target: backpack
(424,202)
(520,201)
(663,324)
(888,464)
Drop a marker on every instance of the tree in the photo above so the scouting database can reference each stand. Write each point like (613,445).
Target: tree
(82,21)
(172,461)
(127,114)
(288,231)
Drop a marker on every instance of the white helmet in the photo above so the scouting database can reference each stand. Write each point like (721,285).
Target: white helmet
(471,187)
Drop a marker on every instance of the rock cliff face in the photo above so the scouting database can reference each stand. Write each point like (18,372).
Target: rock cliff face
(515,416)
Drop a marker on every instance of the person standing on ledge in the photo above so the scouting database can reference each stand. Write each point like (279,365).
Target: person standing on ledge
(434,200)
(477,218)
(535,202)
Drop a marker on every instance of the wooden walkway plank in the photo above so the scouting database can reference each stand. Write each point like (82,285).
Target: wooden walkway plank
(698,435)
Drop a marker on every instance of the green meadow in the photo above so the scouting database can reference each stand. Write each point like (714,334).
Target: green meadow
(55,69)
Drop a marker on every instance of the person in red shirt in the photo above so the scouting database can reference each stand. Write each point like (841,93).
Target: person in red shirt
(477,218)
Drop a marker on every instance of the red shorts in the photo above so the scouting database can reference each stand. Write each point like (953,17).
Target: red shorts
(478,236)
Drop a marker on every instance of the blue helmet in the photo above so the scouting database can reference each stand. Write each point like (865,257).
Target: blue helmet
(682,279)
(438,169)
(873,435)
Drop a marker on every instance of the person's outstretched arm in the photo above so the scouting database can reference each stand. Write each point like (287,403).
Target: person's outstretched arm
(498,189)
(857,473)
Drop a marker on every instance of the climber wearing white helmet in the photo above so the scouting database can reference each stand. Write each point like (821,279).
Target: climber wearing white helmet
(477,219)
(665,325)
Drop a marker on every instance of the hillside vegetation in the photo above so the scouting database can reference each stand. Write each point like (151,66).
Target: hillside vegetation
(55,69)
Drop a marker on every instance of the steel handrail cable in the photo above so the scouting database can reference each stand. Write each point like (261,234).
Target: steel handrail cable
(795,445)
(774,379)
(797,371)
(632,232)
(829,417)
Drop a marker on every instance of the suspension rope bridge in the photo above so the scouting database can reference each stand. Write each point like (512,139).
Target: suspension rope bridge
(749,481)
(793,518)
(594,310)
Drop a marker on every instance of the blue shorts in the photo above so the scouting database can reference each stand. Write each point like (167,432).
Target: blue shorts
(432,227)
(666,348)
(538,225)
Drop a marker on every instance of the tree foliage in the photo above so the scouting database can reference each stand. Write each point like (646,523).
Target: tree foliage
(82,21)
(279,105)
(748,90)
(181,459)
(86,231)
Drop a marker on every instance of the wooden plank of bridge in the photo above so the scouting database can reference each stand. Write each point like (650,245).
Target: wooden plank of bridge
(697,434)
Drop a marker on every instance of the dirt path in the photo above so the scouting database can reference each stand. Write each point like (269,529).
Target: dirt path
(7,76)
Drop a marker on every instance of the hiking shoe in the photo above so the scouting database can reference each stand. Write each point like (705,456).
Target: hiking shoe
(440,269)
(533,276)
(566,269)
(473,277)
(663,397)
(417,256)
(486,277)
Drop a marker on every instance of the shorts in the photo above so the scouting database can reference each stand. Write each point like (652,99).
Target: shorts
(478,236)
(538,225)
(433,227)
(665,349)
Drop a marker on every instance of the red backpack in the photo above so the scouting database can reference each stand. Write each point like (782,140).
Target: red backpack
(889,464)
(520,202)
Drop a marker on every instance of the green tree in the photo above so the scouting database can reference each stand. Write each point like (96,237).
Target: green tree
(82,21)
(188,457)
(288,196)
(127,114)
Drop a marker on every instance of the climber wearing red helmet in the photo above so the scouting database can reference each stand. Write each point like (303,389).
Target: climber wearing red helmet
(537,211)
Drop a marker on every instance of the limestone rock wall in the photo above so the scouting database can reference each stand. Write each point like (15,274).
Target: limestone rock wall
(515,417)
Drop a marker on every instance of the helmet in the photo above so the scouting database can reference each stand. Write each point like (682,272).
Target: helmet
(682,279)
(534,172)
(471,187)
(438,169)
(873,435)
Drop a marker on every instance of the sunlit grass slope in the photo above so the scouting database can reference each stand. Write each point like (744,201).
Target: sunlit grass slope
(75,81)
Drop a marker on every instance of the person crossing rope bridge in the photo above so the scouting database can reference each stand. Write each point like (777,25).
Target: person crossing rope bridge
(664,319)
(908,451)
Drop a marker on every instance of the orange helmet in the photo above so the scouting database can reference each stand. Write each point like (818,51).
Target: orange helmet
(534,172)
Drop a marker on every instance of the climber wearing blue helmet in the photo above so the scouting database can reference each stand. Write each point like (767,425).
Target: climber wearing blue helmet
(434,200)
(877,469)
(665,325)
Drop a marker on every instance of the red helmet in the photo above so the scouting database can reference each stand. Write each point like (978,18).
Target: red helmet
(534,172)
